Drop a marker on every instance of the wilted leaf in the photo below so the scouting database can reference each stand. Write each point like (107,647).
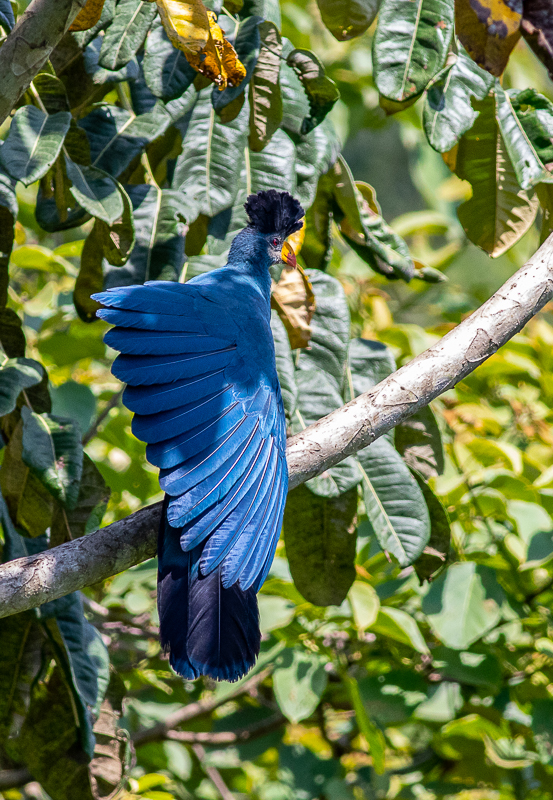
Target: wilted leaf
(448,111)
(463,604)
(410,45)
(126,34)
(186,24)
(52,449)
(299,680)
(319,533)
(294,301)
(228,102)
(489,29)
(264,94)
(394,503)
(321,91)
(166,70)
(346,19)
(499,212)
(537,29)
(88,16)
(33,143)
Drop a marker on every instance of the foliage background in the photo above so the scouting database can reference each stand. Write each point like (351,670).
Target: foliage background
(403,689)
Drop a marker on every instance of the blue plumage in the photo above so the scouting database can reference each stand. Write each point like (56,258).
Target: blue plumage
(198,359)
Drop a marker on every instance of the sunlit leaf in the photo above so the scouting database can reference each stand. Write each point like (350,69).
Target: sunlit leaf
(299,680)
(186,24)
(373,735)
(95,191)
(126,33)
(16,375)
(400,626)
(448,111)
(33,143)
(321,91)
(319,534)
(364,603)
(410,45)
(166,70)
(229,101)
(88,16)
(264,94)
(488,30)
(528,166)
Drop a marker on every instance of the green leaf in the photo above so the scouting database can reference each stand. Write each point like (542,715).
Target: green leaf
(364,603)
(436,552)
(295,104)
(394,503)
(346,19)
(442,705)
(89,509)
(158,252)
(410,45)
(392,698)
(76,400)
(275,166)
(499,212)
(373,735)
(463,604)
(207,171)
(400,626)
(95,191)
(299,680)
(117,137)
(53,451)
(418,440)
(247,45)
(448,111)
(319,534)
(126,33)
(468,667)
(12,337)
(285,366)
(528,167)
(117,240)
(330,327)
(8,215)
(315,154)
(535,113)
(369,363)
(90,279)
(264,93)
(33,143)
(316,250)
(274,612)
(17,374)
(166,70)
(52,93)
(321,91)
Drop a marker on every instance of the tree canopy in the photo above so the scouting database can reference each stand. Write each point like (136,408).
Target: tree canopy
(407,632)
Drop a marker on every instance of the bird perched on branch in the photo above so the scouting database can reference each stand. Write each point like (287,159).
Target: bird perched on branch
(199,363)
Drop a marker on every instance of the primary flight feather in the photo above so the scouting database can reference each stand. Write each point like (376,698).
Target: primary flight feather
(199,363)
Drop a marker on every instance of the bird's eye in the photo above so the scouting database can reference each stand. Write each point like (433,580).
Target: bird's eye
(275,242)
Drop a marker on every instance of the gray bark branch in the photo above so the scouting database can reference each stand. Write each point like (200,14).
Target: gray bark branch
(29,45)
(28,582)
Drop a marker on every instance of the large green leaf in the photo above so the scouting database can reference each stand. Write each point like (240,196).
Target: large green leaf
(469,667)
(346,19)
(33,143)
(463,604)
(264,93)
(369,363)
(499,212)
(400,626)
(321,91)
(207,171)
(8,215)
(89,508)
(17,374)
(373,734)
(410,45)
(315,154)
(117,137)
(317,244)
(295,105)
(299,680)
(319,534)
(127,32)
(392,698)
(158,252)
(535,113)
(330,328)
(166,70)
(527,164)
(285,365)
(448,111)
(53,451)
(275,166)
(394,503)
(96,191)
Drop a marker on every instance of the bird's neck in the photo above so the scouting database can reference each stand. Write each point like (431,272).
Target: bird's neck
(248,255)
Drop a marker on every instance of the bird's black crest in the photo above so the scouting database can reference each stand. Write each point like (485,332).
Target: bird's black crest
(274,212)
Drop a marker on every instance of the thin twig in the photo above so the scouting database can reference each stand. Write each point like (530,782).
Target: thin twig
(112,402)
(212,773)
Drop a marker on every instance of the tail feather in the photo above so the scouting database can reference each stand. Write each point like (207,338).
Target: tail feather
(208,630)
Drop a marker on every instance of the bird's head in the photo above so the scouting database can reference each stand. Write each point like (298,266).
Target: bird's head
(273,216)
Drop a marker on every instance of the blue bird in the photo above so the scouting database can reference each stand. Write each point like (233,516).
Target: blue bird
(199,362)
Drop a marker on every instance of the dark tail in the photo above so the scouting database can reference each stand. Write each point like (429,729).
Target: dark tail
(206,629)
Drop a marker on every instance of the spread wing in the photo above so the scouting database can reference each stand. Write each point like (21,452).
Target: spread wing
(207,403)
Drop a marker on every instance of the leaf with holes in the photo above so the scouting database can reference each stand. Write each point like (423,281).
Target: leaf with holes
(394,503)
(53,451)
(33,143)
(410,45)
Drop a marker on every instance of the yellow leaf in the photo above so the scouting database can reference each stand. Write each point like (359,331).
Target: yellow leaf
(488,29)
(296,239)
(294,302)
(218,60)
(186,24)
(88,16)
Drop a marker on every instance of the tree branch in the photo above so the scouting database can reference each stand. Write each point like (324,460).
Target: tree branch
(29,45)
(228,737)
(28,582)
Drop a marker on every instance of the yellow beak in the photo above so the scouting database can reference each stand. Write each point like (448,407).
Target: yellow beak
(288,255)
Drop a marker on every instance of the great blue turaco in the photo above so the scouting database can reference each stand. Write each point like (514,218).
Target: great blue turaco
(198,359)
